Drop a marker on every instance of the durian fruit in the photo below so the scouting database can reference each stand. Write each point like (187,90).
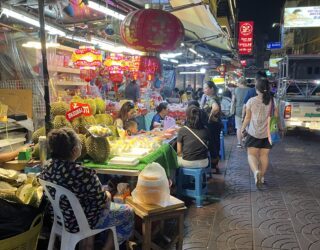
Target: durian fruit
(77,98)
(98,149)
(101,106)
(36,134)
(104,119)
(8,192)
(114,131)
(59,108)
(79,124)
(60,121)
(83,144)
(36,152)
(29,194)
(92,104)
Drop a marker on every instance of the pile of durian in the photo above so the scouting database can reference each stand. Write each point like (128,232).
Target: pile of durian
(97,149)
(20,188)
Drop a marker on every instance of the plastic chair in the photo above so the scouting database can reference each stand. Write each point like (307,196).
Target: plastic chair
(200,183)
(222,151)
(70,240)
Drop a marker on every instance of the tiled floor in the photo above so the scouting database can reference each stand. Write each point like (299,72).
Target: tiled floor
(283,214)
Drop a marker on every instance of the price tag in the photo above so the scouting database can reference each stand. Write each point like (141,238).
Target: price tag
(84,106)
(70,115)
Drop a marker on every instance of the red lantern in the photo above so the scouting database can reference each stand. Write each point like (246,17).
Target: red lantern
(87,74)
(150,64)
(152,30)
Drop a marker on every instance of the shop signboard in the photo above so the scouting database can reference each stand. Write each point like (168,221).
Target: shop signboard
(274,45)
(302,17)
(245,40)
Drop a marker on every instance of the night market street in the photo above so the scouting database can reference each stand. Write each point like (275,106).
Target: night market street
(284,214)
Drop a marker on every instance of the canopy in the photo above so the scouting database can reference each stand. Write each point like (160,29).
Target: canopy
(201,21)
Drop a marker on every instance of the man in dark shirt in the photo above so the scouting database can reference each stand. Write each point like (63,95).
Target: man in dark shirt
(132,91)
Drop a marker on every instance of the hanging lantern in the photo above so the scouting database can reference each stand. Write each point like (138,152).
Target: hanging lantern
(152,30)
(87,59)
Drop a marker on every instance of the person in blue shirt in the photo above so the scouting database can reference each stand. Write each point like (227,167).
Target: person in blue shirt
(162,111)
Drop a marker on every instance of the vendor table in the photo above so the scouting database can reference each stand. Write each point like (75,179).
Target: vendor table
(151,213)
(164,155)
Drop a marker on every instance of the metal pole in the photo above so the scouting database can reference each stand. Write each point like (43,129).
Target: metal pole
(44,64)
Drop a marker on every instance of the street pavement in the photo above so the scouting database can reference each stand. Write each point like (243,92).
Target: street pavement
(283,214)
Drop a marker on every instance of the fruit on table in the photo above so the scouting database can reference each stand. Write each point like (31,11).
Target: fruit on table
(60,121)
(79,124)
(36,134)
(36,152)
(58,108)
(101,106)
(98,149)
(104,119)
(99,130)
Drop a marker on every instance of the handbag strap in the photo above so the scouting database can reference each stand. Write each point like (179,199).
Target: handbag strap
(271,111)
(196,136)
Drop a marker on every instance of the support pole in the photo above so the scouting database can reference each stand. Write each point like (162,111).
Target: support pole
(44,64)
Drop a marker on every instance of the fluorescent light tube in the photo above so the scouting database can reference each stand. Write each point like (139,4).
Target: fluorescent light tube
(202,71)
(29,20)
(174,60)
(170,55)
(193,51)
(105,10)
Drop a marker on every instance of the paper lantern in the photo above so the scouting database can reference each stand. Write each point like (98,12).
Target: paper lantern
(151,65)
(152,30)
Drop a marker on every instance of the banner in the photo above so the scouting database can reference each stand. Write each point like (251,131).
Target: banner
(302,17)
(245,41)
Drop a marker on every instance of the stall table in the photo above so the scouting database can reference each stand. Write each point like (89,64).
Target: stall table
(164,155)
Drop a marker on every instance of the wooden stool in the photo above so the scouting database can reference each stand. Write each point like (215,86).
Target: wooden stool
(151,213)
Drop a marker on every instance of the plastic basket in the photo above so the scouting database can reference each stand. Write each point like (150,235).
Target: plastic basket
(24,241)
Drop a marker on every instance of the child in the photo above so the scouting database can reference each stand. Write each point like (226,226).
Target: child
(131,127)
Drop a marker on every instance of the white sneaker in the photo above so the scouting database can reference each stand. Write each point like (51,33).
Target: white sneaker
(257,177)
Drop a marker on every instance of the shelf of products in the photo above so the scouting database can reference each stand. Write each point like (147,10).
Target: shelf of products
(70,83)
(61,69)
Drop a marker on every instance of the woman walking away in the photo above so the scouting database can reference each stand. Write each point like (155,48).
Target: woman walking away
(211,105)
(238,100)
(257,113)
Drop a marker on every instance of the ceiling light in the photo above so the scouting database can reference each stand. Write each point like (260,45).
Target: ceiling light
(202,71)
(30,20)
(193,51)
(201,56)
(170,55)
(37,45)
(105,10)
(182,44)
(174,60)
(194,64)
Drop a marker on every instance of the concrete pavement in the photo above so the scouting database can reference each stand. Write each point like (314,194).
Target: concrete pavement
(283,214)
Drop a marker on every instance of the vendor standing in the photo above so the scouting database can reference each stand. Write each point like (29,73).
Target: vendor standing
(162,111)
(126,113)
(211,105)
(132,91)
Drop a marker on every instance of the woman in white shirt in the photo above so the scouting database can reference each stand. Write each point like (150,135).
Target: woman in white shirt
(257,113)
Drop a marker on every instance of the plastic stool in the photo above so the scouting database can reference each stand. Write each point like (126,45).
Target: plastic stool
(222,153)
(200,183)
(225,125)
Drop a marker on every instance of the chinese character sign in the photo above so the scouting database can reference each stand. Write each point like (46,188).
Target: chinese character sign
(245,40)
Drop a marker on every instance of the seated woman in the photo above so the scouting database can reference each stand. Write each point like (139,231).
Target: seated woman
(62,169)
(192,146)
(162,111)
(126,113)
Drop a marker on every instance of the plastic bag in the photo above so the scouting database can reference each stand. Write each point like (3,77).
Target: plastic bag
(152,187)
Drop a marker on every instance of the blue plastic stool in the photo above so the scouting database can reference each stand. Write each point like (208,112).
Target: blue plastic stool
(200,183)
(225,125)
(222,153)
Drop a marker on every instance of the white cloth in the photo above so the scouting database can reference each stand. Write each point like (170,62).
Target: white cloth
(193,164)
(259,117)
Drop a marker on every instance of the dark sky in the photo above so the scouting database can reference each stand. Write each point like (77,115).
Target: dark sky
(263,13)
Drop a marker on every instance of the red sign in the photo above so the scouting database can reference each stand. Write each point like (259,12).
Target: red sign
(245,40)
(70,115)
(85,108)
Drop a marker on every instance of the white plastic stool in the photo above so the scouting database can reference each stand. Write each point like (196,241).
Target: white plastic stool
(70,240)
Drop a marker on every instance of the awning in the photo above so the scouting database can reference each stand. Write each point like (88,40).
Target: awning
(200,20)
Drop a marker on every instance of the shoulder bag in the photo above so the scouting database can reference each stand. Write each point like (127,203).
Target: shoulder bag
(273,130)
(196,137)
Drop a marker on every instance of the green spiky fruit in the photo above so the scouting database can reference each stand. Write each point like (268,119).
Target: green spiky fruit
(77,98)
(101,106)
(104,119)
(59,108)
(83,144)
(98,149)
(36,134)
(35,152)
(60,121)
(79,124)
(91,102)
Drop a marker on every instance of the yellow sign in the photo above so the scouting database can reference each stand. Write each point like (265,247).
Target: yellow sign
(3,113)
